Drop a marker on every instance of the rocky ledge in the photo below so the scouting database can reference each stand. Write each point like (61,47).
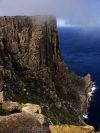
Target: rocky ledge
(22,118)
(32,70)
(72,129)
(29,118)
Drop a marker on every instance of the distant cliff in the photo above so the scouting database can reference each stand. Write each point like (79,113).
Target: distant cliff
(32,70)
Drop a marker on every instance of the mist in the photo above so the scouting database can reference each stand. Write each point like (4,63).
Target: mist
(72,12)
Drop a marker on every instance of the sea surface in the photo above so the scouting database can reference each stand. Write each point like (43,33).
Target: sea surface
(80,49)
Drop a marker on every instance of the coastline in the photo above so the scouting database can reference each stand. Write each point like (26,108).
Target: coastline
(90,95)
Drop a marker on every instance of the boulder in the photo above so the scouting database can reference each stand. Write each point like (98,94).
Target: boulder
(31,108)
(20,123)
(34,110)
(41,118)
(11,106)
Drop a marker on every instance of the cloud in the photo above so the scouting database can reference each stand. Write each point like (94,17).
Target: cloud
(76,12)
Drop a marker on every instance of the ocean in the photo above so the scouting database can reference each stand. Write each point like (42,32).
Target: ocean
(80,49)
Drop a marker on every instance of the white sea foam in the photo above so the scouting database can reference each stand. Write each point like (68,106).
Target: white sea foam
(85,116)
(92,90)
(90,94)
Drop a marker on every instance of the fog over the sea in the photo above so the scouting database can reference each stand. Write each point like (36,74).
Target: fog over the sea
(73,12)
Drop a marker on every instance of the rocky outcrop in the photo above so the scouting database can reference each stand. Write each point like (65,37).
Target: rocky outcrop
(85,98)
(32,71)
(34,110)
(11,106)
(22,122)
(31,108)
(29,119)
(23,118)
(71,129)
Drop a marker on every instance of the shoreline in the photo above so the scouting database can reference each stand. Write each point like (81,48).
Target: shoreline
(90,94)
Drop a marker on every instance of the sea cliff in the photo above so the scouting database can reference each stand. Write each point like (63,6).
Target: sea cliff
(32,70)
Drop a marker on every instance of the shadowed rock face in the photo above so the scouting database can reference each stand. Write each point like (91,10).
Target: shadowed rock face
(32,41)
(32,71)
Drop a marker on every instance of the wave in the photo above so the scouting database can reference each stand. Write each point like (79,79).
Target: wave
(85,116)
(92,91)
(91,95)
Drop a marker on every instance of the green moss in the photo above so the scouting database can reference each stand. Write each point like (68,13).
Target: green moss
(59,116)
(35,86)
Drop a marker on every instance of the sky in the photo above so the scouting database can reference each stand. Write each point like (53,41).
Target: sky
(68,12)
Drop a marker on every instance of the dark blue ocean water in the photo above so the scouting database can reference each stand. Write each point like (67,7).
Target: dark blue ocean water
(80,49)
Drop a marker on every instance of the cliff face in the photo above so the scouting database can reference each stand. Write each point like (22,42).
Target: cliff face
(32,41)
(31,69)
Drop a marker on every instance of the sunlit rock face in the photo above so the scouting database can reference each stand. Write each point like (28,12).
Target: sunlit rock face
(32,71)
(71,129)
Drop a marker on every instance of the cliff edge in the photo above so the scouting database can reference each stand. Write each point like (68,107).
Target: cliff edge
(32,70)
